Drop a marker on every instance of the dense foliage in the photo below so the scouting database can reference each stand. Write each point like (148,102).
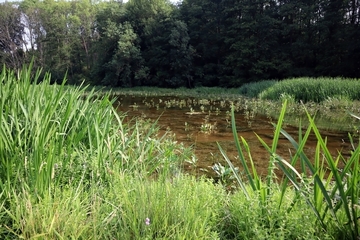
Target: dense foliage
(71,167)
(191,43)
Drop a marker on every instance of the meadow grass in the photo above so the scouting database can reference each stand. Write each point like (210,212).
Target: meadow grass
(303,89)
(132,208)
(249,218)
(55,138)
(313,89)
(72,169)
(49,133)
(198,92)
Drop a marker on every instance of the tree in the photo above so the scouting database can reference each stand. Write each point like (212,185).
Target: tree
(206,26)
(83,30)
(109,17)
(11,36)
(126,65)
(143,45)
(168,54)
(339,25)
(60,34)
(299,36)
(253,39)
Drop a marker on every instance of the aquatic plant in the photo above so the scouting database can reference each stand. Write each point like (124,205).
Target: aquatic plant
(332,195)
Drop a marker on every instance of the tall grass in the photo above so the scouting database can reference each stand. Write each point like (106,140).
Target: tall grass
(332,195)
(133,208)
(61,148)
(52,136)
(71,169)
(314,89)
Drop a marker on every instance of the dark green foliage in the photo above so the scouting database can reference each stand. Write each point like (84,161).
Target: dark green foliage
(252,37)
(195,43)
(253,89)
(125,67)
(108,19)
(169,55)
(206,25)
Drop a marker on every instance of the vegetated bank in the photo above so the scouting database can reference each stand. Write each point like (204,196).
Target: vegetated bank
(71,168)
(330,99)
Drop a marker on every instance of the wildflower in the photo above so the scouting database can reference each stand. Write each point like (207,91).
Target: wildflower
(147,221)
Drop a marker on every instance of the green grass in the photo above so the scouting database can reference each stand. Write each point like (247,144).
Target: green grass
(300,89)
(332,194)
(314,89)
(328,98)
(70,168)
(174,208)
(250,219)
(252,90)
(199,92)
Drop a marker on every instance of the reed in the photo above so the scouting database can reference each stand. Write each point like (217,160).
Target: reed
(53,135)
(332,194)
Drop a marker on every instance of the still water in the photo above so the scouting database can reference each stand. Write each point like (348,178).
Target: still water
(202,123)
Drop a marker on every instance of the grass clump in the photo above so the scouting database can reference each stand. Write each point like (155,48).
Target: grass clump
(249,218)
(62,148)
(314,89)
(252,90)
(133,208)
(183,208)
(52,136)
(330,194)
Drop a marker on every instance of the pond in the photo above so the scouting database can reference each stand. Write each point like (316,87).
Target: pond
(201,123)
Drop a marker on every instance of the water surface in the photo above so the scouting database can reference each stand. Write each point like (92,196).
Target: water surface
(203,123)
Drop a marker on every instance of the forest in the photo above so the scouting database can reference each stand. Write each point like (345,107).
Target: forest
(191,43)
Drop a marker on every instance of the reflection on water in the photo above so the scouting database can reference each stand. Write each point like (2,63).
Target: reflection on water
(202,123)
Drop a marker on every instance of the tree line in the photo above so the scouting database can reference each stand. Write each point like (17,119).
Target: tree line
(191,43)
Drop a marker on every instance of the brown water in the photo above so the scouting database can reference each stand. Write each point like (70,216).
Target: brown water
(201,124)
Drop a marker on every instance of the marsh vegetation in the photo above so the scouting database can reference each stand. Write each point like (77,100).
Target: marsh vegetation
(73,166)
(274,159)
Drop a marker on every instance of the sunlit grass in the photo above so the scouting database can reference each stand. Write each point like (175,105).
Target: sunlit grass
(314,89)
(70,168)
(332,194)
(53,136)
(132,208)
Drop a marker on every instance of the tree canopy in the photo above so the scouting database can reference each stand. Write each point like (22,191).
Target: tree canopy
(192,43)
